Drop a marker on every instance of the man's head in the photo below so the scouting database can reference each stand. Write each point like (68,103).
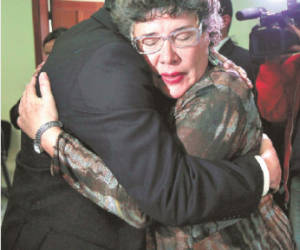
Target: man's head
(49,40)
(226,13)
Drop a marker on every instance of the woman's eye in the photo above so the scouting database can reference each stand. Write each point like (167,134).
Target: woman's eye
(150,41)
(185,36)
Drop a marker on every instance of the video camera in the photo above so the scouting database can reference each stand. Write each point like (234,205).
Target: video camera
(271,37)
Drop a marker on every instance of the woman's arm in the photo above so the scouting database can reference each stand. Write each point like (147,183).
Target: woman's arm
(87,174)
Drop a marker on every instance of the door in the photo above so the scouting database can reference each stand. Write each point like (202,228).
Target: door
(62,13)
(66,13)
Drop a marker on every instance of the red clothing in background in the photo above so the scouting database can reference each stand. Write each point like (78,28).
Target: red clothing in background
(278,88)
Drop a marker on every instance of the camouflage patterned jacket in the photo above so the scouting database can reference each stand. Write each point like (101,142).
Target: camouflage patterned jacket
(215,119)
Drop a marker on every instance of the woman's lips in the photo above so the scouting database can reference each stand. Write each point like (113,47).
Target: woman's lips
(172,78)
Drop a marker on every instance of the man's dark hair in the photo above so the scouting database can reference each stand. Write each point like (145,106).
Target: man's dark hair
(226,7)
(54,35)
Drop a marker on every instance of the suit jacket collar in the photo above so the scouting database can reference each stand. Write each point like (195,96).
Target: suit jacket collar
(227,47)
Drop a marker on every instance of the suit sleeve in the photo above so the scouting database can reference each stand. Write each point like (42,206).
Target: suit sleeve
(118,120)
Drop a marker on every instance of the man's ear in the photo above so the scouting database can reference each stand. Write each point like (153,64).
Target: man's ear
(226,20)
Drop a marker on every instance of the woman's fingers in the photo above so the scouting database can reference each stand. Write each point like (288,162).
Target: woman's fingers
(45,86)
(269,155)
(38,69)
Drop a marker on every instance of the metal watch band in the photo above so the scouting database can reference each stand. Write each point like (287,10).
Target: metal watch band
(37,140)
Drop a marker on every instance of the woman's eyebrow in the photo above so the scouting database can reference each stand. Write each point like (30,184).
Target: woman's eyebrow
(183,27)
(150,34)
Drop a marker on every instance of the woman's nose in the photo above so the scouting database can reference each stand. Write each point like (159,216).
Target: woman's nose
(168,54)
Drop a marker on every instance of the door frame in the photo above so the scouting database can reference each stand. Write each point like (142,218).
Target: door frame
(42,24)
(40,16)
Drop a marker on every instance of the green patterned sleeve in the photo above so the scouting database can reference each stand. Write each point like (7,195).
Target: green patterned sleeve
(86,173)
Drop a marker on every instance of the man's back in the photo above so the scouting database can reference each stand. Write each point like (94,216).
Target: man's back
(43,211)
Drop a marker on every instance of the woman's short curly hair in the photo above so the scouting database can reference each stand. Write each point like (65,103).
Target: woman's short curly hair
(127,12)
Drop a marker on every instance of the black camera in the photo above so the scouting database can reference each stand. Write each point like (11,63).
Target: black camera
(271,37)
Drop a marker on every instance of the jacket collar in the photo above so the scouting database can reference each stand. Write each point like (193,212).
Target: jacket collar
(227,47)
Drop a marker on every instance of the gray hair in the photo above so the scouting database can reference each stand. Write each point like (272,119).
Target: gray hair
(127,12)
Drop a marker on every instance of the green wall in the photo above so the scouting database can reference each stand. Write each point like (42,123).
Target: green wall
(17,58)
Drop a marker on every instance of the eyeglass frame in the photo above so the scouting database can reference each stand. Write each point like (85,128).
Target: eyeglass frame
(168,37)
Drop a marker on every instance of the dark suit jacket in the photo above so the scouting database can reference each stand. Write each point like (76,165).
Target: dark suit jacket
(105,97)
(240,57)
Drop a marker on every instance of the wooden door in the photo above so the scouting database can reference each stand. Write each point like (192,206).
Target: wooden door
(66,13)
(63,13)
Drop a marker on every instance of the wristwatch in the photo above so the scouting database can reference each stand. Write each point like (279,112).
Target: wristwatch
(37,140)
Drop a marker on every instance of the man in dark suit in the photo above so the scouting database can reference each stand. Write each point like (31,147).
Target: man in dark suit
(229,48)
(106,98)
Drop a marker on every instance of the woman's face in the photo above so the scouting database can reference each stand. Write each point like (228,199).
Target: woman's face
(179,68)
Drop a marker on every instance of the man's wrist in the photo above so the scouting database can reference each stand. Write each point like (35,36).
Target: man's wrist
(266,174)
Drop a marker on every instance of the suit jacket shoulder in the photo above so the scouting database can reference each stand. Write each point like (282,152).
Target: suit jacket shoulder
(240,57)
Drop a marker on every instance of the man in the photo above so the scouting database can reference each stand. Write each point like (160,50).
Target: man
(228,48)
(105,97)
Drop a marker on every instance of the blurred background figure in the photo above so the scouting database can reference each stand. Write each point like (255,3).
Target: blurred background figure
(229,48)
(49,40)
(278,100)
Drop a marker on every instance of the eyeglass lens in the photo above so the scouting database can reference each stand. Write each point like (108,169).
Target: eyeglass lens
(180,39)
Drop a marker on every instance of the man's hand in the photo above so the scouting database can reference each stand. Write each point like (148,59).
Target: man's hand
(268,153)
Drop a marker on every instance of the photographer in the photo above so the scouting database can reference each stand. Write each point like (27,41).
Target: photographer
(278,87)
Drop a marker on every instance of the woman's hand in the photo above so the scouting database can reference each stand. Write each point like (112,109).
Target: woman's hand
(35,111)
(38,68)
(268,153)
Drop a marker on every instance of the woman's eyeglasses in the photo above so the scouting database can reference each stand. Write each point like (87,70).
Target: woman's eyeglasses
(150,44)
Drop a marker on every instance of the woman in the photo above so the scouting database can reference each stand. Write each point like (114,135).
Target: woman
(215,118)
